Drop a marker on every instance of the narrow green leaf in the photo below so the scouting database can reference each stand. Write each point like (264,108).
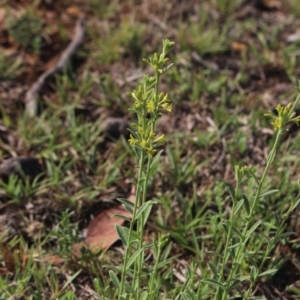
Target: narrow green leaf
(129,289)
(225,226)
(168,67)
(155,160)
(238,206)
(234,246)
(225,267)
(129,206)
(252,260)
(114,278)
(276,219)
(234,282)
(237,231)
(295,204)
(215,253)
(123,235)
(231,191)
(71,278)
(116,268)
(285,234)
(178,237)
(155,247)
(213,269)
(193,223)
(213,282)
(136,151)
(146,214)
(244,278)
(122,217)
(268,272)
(241,293)
(272,155)
(166,251)
(268,193)
(145,209)
(141,181)
(254,176)
(145,296)
(134,235)
(133,257)
(246,204)
(166,262)
(252,229)
(253,273)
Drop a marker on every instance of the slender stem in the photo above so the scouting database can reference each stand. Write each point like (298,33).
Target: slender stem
(140,225)
(229,234)
(129,246)
(156,98)
(154,272)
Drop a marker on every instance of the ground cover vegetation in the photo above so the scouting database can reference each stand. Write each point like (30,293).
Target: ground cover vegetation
(208,174)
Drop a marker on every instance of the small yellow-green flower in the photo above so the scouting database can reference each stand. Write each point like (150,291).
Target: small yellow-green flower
(147,101)
(240,172)
(150,151)
(284,116)
(160,140)
(167,107)
(137,104)
(132,140)
(151,106)
(151,134)
(143,144)
(164,102)
(277,123)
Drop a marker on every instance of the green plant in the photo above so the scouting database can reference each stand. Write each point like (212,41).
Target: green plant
(26,30)
(112,43)
(205,36)
(148,104)
(236,256)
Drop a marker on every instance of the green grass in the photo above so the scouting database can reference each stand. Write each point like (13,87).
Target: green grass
(219,98)
(26,30)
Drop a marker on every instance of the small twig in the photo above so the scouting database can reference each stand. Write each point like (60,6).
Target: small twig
(30,97)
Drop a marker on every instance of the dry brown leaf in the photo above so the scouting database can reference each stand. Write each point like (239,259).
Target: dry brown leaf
(271,4)
(74,11)
(101,232)
(9,255)
(239,47)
